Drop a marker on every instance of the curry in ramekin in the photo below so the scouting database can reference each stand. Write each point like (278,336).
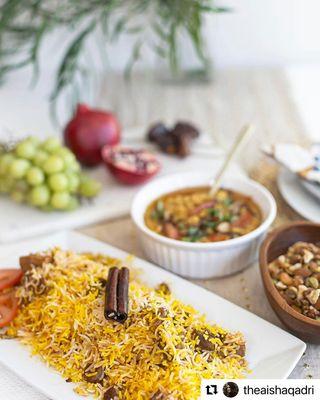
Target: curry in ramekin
(191,215)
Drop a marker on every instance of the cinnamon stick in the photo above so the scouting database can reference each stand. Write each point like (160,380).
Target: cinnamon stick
(123,297)
(117,299)
(111,302)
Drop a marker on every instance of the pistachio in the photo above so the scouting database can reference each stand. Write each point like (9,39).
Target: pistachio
(313,296)
(292,292)
(313,282)
(317,305)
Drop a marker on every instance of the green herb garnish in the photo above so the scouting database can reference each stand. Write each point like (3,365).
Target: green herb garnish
(213,212)
(193,231)
(210,224)
(226,218)
(158,212)
(228,201)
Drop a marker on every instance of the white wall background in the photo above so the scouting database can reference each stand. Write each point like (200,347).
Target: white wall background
(256,33)
(265,32)
(259,33)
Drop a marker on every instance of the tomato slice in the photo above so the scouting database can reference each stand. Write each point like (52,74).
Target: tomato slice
(8,308)
(244,220)
(9,277)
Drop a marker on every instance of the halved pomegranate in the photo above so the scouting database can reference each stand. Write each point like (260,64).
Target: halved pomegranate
(130,166)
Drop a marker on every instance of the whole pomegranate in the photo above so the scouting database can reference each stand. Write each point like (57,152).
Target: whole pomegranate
(88,131)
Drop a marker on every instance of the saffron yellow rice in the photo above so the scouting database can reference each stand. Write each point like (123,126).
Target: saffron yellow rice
(155,354)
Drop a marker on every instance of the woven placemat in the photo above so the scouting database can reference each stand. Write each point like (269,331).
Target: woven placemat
(266,173)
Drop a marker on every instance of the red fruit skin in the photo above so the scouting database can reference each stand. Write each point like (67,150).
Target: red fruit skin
(88,131)
(129,178)
(126,177)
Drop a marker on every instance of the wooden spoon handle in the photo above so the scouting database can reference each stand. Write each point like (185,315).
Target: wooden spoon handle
(245,132)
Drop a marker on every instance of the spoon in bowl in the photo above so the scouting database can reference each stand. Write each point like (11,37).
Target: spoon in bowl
(243,135)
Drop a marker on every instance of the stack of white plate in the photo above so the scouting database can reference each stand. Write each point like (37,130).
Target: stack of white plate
(302,195)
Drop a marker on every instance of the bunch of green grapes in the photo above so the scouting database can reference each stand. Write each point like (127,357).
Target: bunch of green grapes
(45,175)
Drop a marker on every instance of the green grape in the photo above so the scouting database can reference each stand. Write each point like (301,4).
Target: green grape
(53,164)
(2,186)
(18,168)
(89,187)
(60,200)
(35,176)
(74,166)
(47,208)
(9,183)
(25,149)
(39,196)
(20,185)
(73,181)
(51,144)
(58,182)
(18,197)
(40,157)
(5,161)
(73,204)
(6,184)
(67,156)
(35,140)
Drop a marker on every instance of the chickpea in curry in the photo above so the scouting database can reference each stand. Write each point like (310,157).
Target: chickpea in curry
(191,215)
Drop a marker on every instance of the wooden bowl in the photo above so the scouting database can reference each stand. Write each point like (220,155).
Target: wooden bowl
(275,244)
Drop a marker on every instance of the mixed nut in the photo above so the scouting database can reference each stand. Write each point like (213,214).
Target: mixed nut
(296,275)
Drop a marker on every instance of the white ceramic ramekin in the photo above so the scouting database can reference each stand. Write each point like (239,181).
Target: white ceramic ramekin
(201,260)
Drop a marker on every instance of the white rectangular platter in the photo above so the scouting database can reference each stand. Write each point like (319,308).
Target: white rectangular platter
(272,352)
(114,200)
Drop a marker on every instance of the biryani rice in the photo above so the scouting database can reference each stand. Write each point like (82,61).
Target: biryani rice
(156,351)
